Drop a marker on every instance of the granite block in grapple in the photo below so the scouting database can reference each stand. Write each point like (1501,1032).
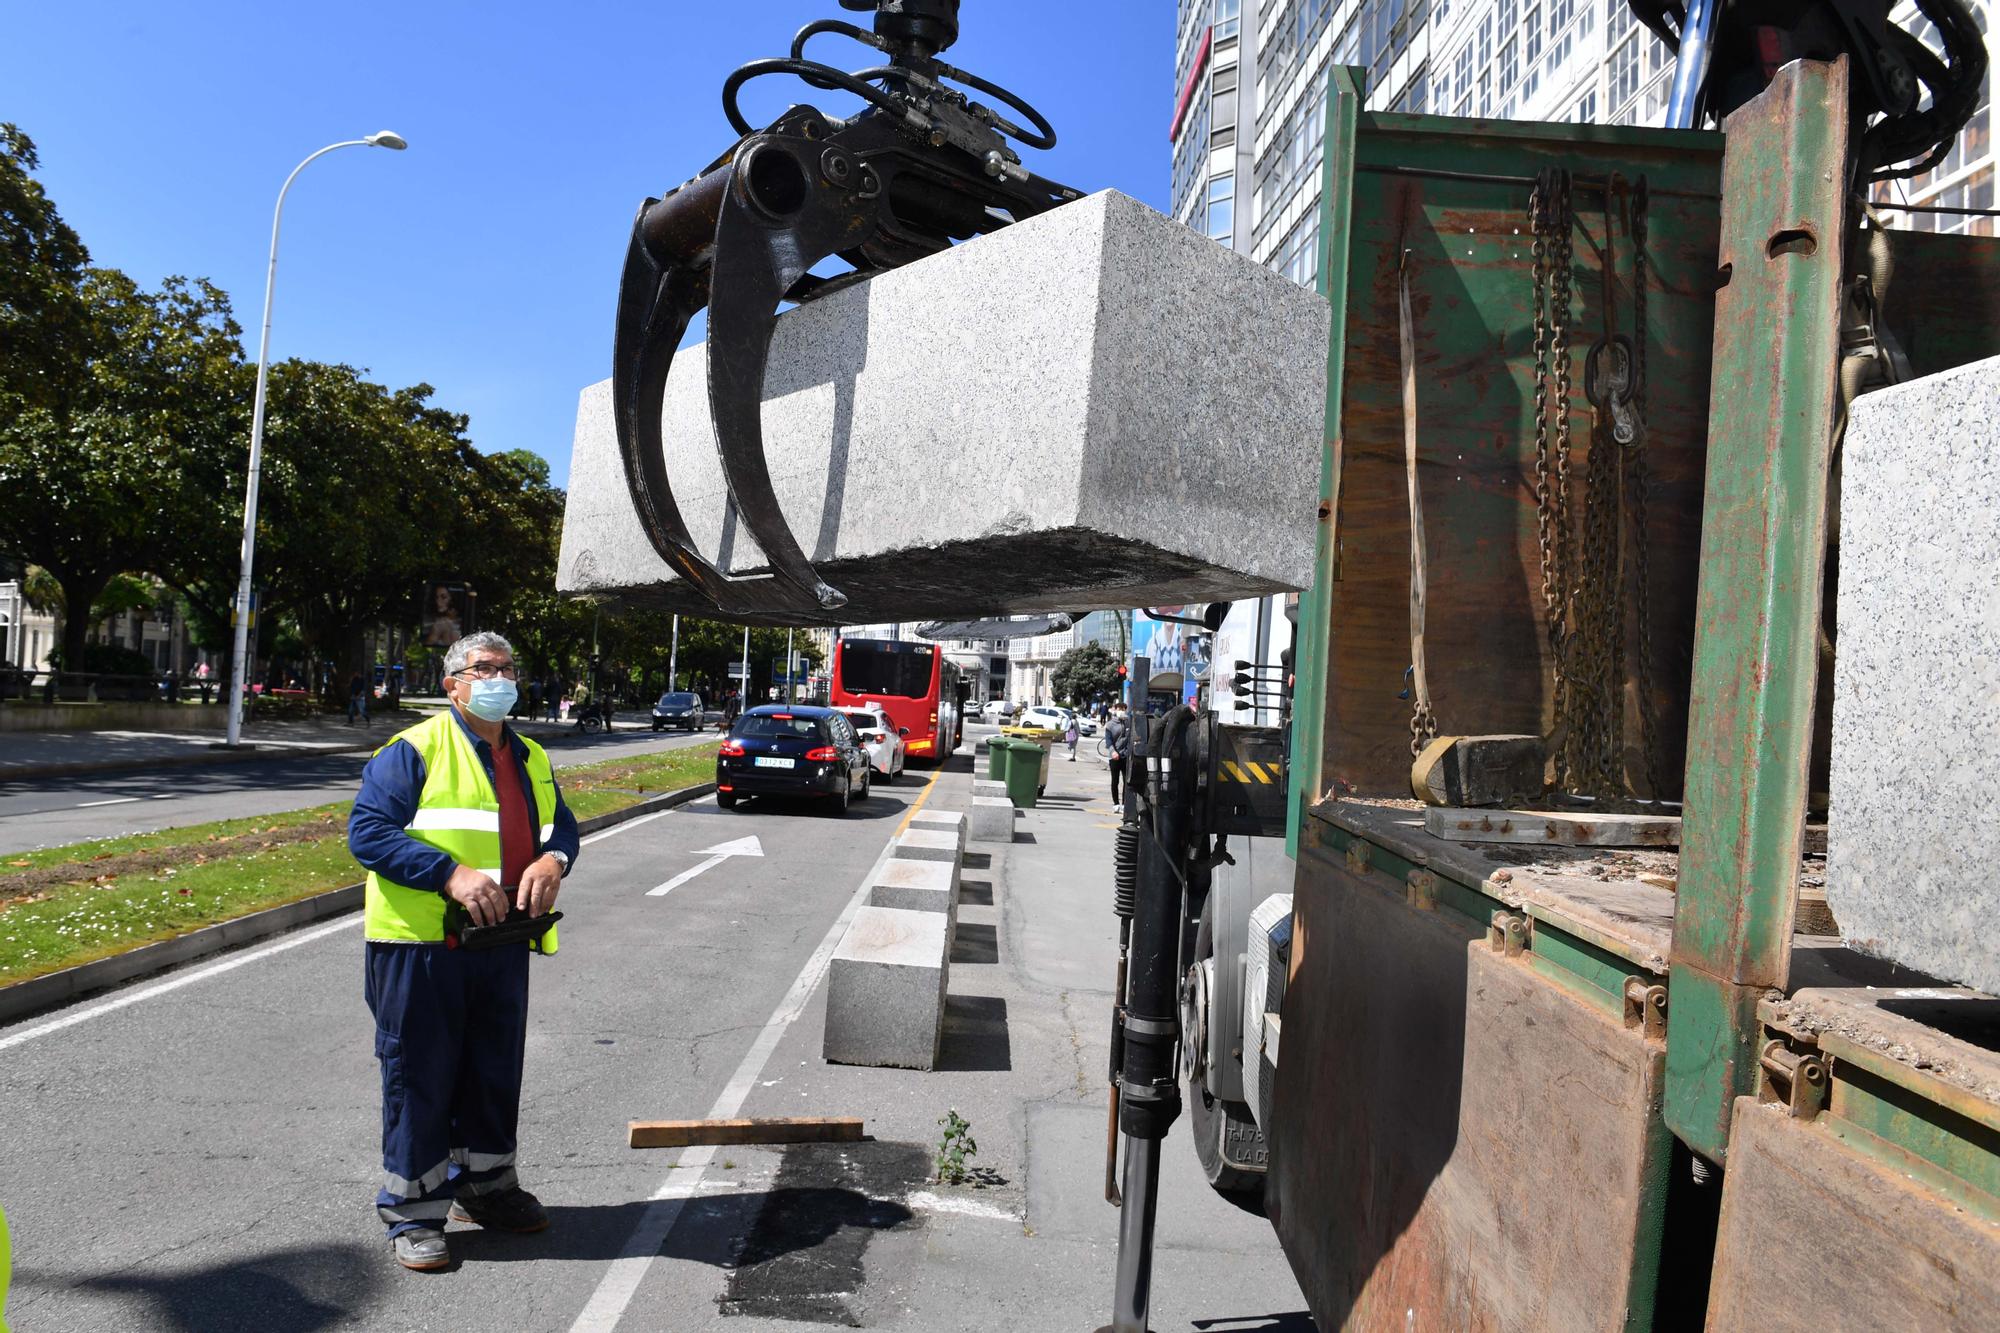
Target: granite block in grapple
(1916,678)
(885,990)
(1092,408)
(992,818)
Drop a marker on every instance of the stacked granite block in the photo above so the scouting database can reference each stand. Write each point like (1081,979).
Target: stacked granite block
(1916,680)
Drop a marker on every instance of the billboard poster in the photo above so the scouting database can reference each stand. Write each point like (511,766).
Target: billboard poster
(1175,650)
(446,613)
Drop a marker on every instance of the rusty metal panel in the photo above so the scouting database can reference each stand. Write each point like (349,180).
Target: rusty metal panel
(1763,544)
(1943,303)
(1459,1143)
(1447,199)
(1815,1236)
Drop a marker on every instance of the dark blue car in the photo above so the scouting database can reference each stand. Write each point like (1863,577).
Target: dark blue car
(792,750)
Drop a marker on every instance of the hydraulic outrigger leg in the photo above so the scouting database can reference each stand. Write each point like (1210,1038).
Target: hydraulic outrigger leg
(1158,803)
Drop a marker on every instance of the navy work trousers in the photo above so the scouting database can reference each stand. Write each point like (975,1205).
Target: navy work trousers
(451,1028)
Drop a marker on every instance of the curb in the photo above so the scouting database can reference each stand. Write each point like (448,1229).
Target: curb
(250,753)
(24,998)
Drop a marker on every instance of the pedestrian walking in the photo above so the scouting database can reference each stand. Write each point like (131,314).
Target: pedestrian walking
(457,792)
(1118,741)
(1070,735)
(357,699)
(552,695)
(534,700)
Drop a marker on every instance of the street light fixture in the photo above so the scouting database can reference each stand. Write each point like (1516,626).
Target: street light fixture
(239,667)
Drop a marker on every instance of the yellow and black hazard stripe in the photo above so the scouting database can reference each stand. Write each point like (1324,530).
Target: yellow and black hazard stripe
(1251,774)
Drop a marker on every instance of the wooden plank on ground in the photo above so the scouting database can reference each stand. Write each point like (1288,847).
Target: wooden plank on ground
(1553,828)
(728,1133)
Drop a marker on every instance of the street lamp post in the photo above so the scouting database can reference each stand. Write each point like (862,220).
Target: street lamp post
(239,667)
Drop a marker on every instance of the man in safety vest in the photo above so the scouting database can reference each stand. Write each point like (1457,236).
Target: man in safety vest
(458,820)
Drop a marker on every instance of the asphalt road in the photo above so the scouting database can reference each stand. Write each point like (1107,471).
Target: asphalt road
(50,812)
(201,1152)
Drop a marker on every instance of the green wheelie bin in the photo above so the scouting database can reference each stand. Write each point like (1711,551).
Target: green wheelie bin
(1024,770)
(996,759)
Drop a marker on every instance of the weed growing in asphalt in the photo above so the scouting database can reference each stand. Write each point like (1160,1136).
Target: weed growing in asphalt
(955,1148)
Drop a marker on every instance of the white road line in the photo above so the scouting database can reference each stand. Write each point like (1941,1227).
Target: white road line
(116,800)
(76,1016)
(607,1305)
(716,856)
(925,1201)
(685,875)
(616,829)
(86,1012)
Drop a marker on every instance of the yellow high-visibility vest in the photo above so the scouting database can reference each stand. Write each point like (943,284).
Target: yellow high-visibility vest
(459,815)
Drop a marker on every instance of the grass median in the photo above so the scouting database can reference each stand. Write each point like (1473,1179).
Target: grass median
(68,905)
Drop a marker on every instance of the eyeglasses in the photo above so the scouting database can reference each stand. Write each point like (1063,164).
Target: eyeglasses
(487,671)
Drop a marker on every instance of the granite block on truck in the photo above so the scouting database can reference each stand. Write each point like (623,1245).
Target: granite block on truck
(1916,679)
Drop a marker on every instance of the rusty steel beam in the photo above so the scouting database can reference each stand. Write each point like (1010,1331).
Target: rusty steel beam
(1763,546)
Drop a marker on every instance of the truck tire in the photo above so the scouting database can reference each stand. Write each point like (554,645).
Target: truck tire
(1210,1118)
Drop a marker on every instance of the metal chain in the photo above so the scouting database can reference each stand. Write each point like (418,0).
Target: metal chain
(1423,728)
(1649,737)
(1562,225)
(1538,204)
(1599,620)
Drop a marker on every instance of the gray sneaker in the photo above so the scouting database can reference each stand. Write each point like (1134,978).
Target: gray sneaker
(422,1248)
(508,1210)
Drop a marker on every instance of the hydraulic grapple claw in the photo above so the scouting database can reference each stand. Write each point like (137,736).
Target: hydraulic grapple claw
(919,167)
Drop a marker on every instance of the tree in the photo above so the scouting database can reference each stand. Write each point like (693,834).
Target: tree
(42,264)
(1084,673)
(120,466)
(365,498)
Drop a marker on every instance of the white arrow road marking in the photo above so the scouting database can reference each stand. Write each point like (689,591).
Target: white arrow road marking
(716,856)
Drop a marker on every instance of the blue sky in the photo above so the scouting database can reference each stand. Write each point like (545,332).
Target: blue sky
(484,260)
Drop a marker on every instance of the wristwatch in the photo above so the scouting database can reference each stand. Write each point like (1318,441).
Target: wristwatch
(562,859)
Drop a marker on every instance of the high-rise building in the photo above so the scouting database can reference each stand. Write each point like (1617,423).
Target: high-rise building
(1249,123)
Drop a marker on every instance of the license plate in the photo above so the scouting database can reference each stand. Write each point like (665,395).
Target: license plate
(764,761)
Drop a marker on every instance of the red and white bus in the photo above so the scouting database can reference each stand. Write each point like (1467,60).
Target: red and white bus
(910,682)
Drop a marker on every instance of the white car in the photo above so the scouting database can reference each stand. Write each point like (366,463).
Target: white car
(883,740)
(995,711)
(1046,716)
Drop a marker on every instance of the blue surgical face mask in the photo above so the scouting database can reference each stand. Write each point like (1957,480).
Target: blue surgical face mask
(492,699)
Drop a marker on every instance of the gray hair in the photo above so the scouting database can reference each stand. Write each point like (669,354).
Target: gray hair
(455,657)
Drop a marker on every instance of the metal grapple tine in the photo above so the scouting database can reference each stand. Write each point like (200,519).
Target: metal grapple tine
(655,303)
(758,259)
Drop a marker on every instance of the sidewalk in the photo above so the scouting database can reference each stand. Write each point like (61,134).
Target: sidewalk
(52,754)
(1025,1059)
